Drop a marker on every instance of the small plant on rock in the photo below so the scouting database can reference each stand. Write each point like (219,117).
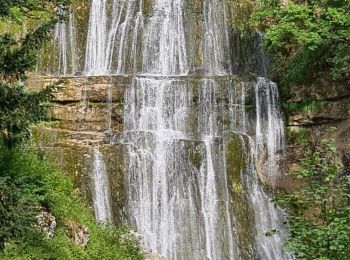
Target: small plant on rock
(319,220)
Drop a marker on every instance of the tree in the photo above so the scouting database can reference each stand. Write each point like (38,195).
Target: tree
(306,36)
(18,54)
(19,108)
(319,220)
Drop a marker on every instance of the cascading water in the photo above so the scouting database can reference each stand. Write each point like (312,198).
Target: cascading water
(192,145)
(97,51)
(216,38)
(65,40)
(164,47)
(107,41)
(101,193)
(183,209)
(267,217)
(269,125)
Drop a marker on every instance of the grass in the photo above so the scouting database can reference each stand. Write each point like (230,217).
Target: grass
(30,174)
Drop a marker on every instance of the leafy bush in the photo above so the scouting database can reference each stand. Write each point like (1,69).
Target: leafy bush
(18,54)
(306,36)
(319,221)
(27,183)
(19,109)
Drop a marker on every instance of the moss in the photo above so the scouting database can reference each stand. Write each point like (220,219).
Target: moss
(306,106)
(147,7)
(248,108)
(224,120)
(114,159)
(235,160)
(298,135)
(196,158)
(49,58)
(239,13)
(49,124)
(195,5)
(42,137)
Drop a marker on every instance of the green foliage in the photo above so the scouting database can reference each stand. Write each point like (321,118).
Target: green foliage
(304,63)
(306,106)
(19,109)
(298,134)
(17,209)
(306,36)
(319,221)
(341,62)
(17,8)
(27,183)
(18,54)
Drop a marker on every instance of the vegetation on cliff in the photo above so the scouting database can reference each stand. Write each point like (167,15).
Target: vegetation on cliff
(310,39)
(306,37)
(319,211)
(30,185)
(41,215)
(19,53)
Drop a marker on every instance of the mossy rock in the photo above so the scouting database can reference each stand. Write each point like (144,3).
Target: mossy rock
(147,7)
(236,159)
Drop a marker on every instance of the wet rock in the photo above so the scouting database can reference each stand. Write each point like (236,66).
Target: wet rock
(75,89)
(236,161)
(320,88)
(327,113)
(333,111)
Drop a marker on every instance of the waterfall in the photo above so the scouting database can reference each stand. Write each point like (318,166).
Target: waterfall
(96,52)
(269,124)
(216,39)
(107,37)
(179,193)
(65,40)
(101,193)
(164,44)
(267,216)
(194,133)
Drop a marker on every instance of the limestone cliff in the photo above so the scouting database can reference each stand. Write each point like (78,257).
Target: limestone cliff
(86,113)
(323,103)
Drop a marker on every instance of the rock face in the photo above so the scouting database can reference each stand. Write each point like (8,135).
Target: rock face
(86,113)
(326,104)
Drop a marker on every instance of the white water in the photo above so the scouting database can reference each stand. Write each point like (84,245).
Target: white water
(267,215)
(177,130)
(164,47)
(269,125)
(107,38)
(65,40)
(216,40)
(180,208)
(101,192)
